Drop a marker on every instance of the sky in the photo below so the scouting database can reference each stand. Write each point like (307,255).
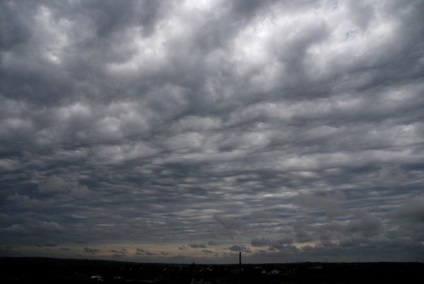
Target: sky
(190,131)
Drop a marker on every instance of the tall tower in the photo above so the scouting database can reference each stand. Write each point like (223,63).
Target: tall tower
(240,270)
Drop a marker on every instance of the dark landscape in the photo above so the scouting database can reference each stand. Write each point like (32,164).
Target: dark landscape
(50,270)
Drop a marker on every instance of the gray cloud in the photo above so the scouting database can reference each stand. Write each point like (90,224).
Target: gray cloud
(412,210)
(92,251)
(287,127)
(239,248)
(144,252)
(198,245)
(230,223)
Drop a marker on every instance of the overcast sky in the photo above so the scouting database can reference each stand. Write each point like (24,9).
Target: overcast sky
(181,131)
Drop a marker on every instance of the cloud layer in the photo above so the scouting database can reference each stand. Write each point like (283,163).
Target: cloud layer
(181,130)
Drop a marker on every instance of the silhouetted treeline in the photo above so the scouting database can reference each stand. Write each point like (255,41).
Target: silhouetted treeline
(49,270)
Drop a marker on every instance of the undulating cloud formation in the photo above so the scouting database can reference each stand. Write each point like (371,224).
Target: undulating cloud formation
(181,131)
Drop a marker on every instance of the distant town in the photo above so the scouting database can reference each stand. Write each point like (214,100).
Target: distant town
(50,270)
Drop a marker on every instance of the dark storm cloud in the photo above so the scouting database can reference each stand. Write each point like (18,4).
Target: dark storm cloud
(286,127)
